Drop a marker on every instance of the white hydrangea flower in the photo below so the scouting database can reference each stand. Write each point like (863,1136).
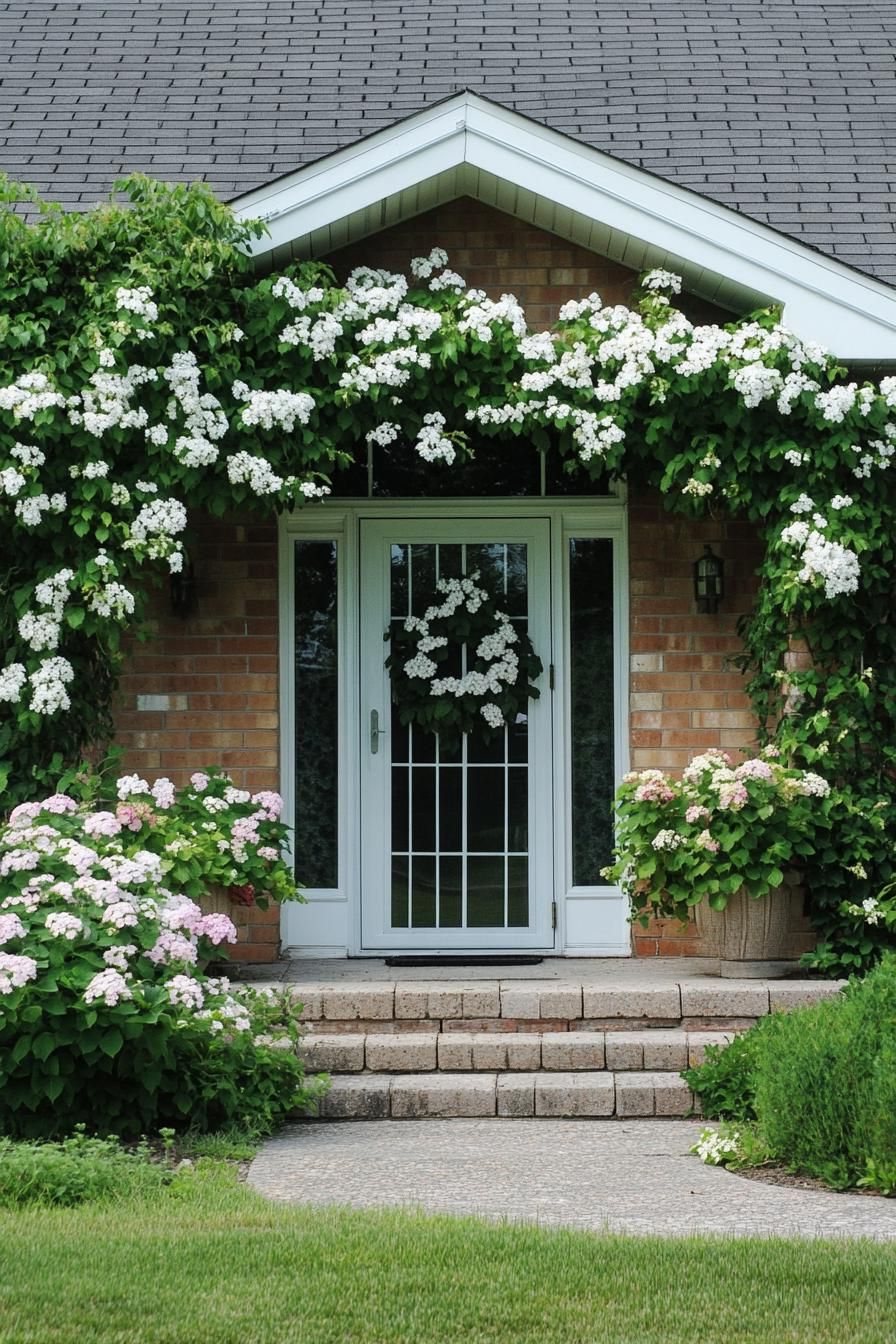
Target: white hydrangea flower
(660,280)
(139,301)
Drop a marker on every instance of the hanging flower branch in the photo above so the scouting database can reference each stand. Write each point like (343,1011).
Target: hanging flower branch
(495,658)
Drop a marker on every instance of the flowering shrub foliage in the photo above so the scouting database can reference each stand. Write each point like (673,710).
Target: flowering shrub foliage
(107,1016)
(147,371)
(466,631)
(717,829)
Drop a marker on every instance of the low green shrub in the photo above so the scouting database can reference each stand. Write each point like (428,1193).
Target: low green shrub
(726,1082)
(818,1084)
(825,1087)
(76,1170)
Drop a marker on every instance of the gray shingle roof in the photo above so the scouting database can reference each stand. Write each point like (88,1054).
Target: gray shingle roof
(782,109)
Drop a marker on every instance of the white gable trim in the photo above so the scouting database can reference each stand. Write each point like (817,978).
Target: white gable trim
(852,314)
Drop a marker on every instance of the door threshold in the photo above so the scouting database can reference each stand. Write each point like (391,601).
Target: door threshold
(488,960)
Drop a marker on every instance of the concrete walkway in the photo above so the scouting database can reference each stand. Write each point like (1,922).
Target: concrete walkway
(632,1176)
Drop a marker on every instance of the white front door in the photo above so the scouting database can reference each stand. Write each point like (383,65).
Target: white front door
(456,832)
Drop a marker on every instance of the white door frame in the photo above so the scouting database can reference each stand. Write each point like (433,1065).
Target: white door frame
(591,921)
(376,537)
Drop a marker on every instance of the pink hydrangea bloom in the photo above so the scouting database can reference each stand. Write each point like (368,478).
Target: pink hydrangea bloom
(19,861)
(179,912)
(117,957)
(217,928)
(121,915)
(163,793)
(270,803)
(183,990)
(59,803)
(754,769)
(101,823)
(705,841)
(696,813)
(133,815)
(733,795)
(172,946)
(199,781)
(268,852)
(654,791)
(15,972)
(110,986)
(245,830)
(63,925)
(23,814)
(11,927)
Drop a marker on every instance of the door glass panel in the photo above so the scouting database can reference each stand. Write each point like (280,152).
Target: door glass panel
(591,704)
(316,717)
(460,803)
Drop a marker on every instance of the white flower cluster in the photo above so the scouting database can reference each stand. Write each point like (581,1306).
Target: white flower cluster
(667,839)
(107,401)
(48,683)
(154,530)
(431,443)
(112,601)
(481,314)
(409,322)
(821,558)
(39,630)
(274,410)
(256,472)
(836,404)
(138,301)
(666,281)
(32,510)
(30,393)
(448,280)
(298,299)
(714,1148)
(383,434)
(319,336)
(12,681)
(204,419)
(392,368)
(423,267)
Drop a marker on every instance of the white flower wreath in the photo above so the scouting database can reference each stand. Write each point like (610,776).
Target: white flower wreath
(467,616)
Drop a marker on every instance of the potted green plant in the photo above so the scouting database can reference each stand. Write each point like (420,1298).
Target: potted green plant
(726,842)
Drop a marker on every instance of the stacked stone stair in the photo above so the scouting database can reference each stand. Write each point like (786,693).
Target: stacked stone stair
(418,1049)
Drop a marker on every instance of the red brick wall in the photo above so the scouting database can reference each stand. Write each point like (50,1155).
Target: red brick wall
(685,695)
(203,690)
(218,668)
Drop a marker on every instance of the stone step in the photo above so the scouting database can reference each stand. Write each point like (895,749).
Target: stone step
(656,1051)
(528,1006)
(424,1096)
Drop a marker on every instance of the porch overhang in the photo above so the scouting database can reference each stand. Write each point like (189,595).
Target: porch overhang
(468,146)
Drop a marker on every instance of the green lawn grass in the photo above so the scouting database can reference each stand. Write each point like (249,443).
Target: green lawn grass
(208,1262)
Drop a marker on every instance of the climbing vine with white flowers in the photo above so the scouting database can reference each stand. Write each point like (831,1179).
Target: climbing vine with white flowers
(148,374)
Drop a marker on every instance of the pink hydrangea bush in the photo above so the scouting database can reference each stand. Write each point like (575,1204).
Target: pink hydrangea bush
(717,829)
(208,834)
(107,1015)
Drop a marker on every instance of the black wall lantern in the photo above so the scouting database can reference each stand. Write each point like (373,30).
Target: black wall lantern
(709,580)
(183,589)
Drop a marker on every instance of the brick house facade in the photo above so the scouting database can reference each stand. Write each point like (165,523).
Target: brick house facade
(551,156)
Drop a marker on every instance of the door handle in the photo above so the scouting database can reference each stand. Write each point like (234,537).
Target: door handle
(375,732)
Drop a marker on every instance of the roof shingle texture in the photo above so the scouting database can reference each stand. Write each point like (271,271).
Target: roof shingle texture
(782,109)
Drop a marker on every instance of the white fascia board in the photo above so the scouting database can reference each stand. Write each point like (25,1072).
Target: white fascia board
(824,301)
(357,177)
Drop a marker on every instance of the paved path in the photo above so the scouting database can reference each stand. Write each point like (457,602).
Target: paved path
(621,1175)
